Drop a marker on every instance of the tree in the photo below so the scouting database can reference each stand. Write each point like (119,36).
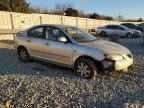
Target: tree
(38,10)
(71,12)
(120,18)
(15,5)
(108,18)
(82,14)
(3,7)
(95,16)
(59,9)
(140,20)
(102,17)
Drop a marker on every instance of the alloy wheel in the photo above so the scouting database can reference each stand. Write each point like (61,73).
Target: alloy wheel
(83,70)
(23,55)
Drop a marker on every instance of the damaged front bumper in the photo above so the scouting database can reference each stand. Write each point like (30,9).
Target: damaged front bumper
(119,65)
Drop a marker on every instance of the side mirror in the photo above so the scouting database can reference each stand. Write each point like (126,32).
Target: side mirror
(62,39)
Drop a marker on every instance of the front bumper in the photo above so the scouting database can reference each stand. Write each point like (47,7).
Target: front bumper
(137,34)
(119,65)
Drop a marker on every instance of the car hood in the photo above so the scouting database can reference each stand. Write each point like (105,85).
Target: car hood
(108,47)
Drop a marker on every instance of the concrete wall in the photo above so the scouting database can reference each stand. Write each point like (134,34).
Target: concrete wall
(5,21)
(7,37)
(10,20)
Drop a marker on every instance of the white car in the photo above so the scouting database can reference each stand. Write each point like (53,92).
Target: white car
(119,30)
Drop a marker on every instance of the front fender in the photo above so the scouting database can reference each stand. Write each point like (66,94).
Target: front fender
(93,53)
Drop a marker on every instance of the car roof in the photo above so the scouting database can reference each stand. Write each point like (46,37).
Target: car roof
(112,25)
(55,25)
(128,23)
(117,25)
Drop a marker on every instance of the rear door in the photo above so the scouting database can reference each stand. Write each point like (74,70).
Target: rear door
(110,30)
(36,41)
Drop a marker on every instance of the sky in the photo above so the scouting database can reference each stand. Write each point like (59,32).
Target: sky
(130,9)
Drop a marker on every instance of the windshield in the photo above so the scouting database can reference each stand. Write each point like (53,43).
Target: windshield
(126,28)
(132,26)
(79,35)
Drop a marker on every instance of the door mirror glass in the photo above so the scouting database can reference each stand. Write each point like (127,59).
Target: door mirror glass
(62,39)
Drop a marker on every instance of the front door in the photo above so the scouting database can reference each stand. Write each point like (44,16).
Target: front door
(58,51)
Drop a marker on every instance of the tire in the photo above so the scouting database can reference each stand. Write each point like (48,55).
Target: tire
(86,68)
(129,35)
(23,54)
(103,34)
(140,36)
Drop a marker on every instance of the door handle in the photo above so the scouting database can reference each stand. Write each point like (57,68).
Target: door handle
(47,44)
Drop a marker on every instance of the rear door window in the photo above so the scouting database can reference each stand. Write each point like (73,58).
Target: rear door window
(111,27)
(119,28)
(37,32)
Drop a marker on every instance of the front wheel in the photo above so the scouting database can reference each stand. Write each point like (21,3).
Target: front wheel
(129,35)
(103,34)
(86,68)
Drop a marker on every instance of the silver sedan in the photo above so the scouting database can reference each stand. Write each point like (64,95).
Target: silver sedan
(71,47)
(119,30)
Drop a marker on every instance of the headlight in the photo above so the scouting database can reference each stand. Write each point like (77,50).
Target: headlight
(140,33)
(131,31)
(114,56)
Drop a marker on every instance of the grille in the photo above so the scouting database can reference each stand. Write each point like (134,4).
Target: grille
(136,33)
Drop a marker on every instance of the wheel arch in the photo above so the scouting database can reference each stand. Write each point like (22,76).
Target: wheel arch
(97,62)
(27,57)
(103,32)
(86,56)
(21,46)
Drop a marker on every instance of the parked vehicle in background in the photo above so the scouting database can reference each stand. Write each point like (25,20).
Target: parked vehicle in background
(72,47)
(133,26)
(141,25)
(119,30)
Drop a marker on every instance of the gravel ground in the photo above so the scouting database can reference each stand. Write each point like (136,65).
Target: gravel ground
(39,85)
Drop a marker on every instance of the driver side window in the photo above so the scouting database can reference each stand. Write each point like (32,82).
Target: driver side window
(54,34)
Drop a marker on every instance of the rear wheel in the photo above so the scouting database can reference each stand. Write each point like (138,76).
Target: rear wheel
(86,68)
(103,34)
(23,54)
